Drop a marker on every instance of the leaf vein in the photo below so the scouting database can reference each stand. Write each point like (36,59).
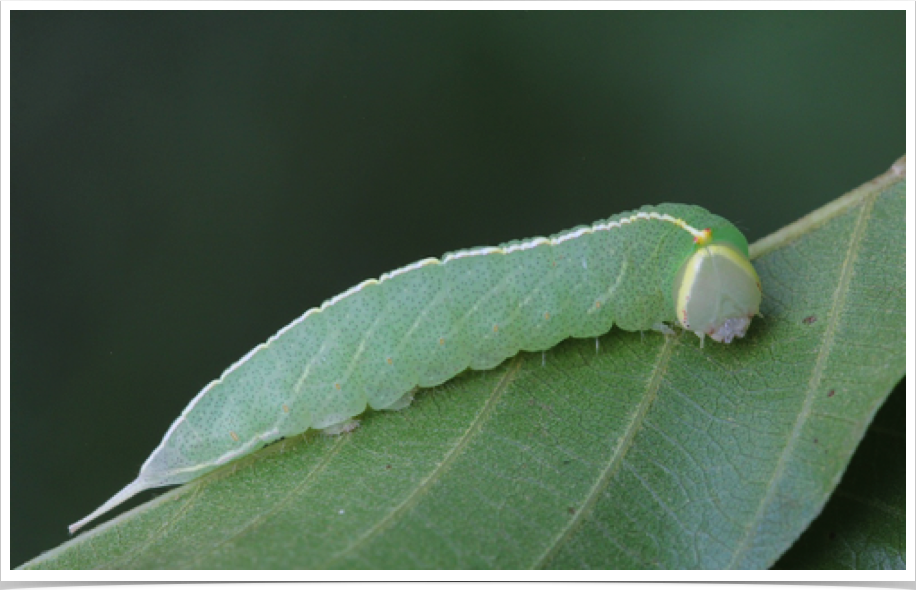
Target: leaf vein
(614,463)
(423,488)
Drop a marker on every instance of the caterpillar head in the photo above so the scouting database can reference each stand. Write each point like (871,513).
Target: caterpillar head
(716,291)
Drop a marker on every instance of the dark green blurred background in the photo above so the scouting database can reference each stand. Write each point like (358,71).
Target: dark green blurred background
(184,184)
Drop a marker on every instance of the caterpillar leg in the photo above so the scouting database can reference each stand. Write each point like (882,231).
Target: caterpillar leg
(403,401)
(663,328)
(340,428)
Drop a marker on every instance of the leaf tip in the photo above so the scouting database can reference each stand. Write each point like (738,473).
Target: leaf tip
(899,167)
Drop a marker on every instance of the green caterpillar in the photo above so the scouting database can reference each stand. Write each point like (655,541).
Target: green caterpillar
(422,324)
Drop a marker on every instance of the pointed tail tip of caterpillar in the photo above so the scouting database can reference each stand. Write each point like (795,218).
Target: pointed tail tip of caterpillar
(129,491)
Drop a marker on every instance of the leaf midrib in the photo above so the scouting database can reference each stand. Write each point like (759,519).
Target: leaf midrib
(824,352)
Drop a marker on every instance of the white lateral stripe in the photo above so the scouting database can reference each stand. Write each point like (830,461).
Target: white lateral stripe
(468,253)
(408,268)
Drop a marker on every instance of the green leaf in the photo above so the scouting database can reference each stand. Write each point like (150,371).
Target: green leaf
(634,451)
(864,524)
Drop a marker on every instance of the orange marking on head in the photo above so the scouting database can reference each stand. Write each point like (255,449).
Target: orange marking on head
(337,385)
(285,409)
(389,361)
(703,239)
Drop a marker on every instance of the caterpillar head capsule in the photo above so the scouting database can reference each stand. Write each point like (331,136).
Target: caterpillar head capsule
(717,292)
